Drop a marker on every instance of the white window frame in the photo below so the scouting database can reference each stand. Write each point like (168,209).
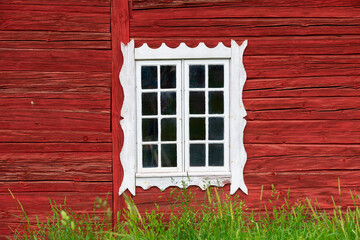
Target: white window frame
(236,158)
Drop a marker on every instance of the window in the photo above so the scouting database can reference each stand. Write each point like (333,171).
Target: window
(179,106)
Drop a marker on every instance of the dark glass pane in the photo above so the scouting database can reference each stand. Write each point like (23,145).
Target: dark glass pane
(216,155)
(197,128)
(149,104)
(168,155)
(168,129)
(149,129)
(168,103)
(168,76)
(216,102)
(216,128)
(148,77)
(216,76)
(197,102)
(150,156)
(197,76)
(197,155)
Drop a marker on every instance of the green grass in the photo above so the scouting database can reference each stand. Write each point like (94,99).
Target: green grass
(215,217)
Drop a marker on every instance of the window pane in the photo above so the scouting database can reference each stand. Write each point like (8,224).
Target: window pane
(168,103)
(150,129)
(197,102)
(149,104)
(216,102)
(197,128)
(197,76)
(216,128)
(197,155)
(148,77)
(168,76)
(168,155)
(216,155)
(216,76)
(168,129)
(150,156)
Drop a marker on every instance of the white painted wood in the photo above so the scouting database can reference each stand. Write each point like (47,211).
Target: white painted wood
(182,52)
(237,122)
(163,182)
(236,112)
(128,112)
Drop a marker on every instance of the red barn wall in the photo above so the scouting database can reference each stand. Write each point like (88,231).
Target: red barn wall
(302,92)
(55,101)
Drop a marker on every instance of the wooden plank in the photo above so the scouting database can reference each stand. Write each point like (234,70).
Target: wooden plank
(303,108)
(120,34)
(235,27)
(52,166)
(280,45)
(63,2)
(301,66)
(301,157)
(53,147)
(56,45)
(146,4)
(224,11)
(55,60)
(146,202)
(55,101)
(54,8)
(60,120)
(54,21)
(37,203)
(330,86)
(28,81)
(309,132)
(51,36)
(28,136)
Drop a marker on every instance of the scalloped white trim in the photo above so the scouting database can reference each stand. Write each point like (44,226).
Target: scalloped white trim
(182,52)
(163,182)
(237,113)
(128,112)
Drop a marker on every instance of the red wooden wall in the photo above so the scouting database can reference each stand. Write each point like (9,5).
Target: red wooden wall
(302,93)
(55,102)
(58,67)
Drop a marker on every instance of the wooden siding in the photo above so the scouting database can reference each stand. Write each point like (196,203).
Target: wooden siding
(55,106)
(302,92)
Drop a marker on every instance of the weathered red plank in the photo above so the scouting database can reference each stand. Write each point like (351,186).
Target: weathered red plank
(281,45)
(51,166)
(224,11)
(53,147)
(303,108)
(55,120)
(51,36)
(331,86)
(301,157)
(56,60)
(63,2)
(27,81)
(145,4)
(319,131)
(54,9)
(301,66)
(56,45)
(230,27)
(54,21)
(52,136)
(55,101)
(37,203)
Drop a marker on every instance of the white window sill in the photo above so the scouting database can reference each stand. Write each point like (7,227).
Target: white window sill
(165,180)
